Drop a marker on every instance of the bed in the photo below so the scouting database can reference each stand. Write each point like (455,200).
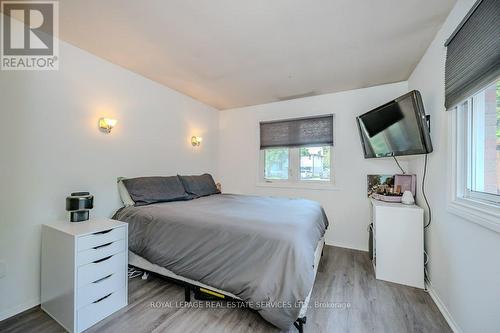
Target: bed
(261,250)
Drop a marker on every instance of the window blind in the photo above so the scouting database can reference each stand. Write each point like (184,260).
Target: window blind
(299,132)
(473,52)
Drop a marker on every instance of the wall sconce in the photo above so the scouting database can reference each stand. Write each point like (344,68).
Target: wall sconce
(107,124)
(196,141)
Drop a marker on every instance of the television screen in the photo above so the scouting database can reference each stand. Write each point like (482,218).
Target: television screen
(396,128)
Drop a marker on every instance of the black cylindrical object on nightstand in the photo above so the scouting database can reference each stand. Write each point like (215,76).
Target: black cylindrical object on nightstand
(79,204)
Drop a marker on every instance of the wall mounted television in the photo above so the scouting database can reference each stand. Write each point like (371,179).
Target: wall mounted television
(396,128)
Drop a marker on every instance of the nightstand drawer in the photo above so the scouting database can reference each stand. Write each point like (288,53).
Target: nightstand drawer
(100,238)
(101,268)
(100,309)
(100,288)
(100,252)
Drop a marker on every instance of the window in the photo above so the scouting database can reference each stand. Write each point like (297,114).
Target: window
(303,164)
(297,151)
(315,163)
(480,118)
(472,96)
(475,158)
(484,170)
(276,163)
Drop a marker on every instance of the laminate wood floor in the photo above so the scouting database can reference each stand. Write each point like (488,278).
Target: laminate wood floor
(350,299)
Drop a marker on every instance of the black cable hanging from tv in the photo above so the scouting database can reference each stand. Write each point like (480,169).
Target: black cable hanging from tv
(423,193)
(399,165)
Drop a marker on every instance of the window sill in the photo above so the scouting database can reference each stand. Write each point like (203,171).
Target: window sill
(299,186)
(484,214)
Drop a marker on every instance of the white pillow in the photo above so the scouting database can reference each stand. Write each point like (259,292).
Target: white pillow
(124,195)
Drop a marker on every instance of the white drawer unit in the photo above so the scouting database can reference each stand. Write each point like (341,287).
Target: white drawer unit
(398,243)
(84,271)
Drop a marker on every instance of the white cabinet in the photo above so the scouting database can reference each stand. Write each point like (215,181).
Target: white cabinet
(398,243)
(84,271)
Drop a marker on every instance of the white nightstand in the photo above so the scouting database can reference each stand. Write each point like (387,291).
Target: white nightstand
(84,271)
(398,243)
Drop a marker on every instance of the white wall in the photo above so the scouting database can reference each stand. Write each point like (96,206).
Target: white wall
(464,263)
(50,146)
(347,207)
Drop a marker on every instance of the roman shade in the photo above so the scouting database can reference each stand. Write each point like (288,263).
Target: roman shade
(298,132)
(473,52)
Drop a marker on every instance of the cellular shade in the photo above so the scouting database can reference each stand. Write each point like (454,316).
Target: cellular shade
(473,53)
(300,132)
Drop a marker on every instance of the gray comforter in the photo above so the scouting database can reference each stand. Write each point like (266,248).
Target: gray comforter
(261,249)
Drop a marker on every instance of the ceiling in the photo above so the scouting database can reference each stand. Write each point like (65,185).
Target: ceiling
(230,53)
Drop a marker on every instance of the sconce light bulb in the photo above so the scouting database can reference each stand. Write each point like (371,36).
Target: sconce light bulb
(196,141)
(107,124)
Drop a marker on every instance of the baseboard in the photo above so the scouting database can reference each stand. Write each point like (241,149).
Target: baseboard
(344,246)
(442,308)
(19,308)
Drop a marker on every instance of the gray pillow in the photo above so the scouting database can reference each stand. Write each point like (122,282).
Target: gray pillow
(148,190)
(199,186)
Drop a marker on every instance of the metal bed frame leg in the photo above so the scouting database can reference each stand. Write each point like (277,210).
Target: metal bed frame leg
(187,293)
(299,324)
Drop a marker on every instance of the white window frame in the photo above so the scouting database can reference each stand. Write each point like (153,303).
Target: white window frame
(294,180)
(480,208)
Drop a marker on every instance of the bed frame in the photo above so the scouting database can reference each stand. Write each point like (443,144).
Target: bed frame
(204,292)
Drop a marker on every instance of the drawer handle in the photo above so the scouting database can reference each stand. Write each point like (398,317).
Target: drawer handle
(102,279)
(103,245)
(102,232)
(102,298)
(101,260)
